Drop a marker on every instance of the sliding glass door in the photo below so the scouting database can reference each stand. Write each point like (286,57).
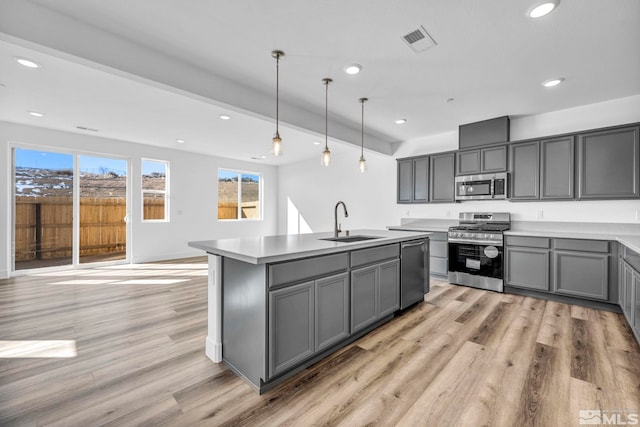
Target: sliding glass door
(68,209)
(43,209)
(103,208)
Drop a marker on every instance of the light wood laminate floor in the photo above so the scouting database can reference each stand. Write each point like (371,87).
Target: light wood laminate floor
(134,340)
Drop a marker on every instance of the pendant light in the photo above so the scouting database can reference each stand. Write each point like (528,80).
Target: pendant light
(362,164)
(276,146)
(325,160)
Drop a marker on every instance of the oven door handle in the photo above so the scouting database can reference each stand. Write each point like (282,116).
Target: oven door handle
(476,242)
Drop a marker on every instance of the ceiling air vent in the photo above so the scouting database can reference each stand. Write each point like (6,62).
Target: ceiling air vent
(419,40)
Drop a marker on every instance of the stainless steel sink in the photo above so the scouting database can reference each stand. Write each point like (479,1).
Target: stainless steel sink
(349,239)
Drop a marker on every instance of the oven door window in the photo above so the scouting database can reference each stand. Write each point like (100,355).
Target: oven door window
(474,188)
(479,260)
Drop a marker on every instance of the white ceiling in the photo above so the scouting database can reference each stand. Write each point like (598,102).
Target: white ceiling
(153,71)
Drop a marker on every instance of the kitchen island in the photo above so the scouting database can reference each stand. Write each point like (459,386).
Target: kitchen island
(278,304)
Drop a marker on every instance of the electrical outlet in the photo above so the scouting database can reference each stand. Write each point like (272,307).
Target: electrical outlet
(637,214)
(448,214)
(407,213)
(540,214)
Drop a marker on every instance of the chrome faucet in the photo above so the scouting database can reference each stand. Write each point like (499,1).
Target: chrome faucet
(336,226)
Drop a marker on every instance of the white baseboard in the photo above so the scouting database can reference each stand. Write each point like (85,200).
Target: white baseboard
(4,274)
(166,257)
(213,350)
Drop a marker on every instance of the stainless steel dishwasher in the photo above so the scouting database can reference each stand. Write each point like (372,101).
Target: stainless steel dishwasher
(414,272)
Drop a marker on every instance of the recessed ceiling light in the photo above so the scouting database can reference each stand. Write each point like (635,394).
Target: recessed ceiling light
(263,157)
(353,69)
(36,114)
(258,157)
(401,121)
(27,63)
(180,141)
(552,82)
(224,117)
(316,142)
(542,8)
(450,99)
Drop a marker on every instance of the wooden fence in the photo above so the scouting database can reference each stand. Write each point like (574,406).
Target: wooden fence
(44,226)
(229,210)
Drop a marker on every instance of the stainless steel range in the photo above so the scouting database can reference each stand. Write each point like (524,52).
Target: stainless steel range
(476,250)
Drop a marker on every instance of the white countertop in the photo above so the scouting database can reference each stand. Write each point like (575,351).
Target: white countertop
(627,234)
(267,249)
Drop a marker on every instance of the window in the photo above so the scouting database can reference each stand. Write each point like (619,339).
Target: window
(155,193)
(239,195)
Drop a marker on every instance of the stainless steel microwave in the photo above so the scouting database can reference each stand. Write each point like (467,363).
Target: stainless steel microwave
(478,187)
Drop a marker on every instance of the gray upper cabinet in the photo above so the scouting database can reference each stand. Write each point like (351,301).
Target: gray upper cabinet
(421,180)
(481,160)
(525,171)
(405,181)
(413,180)
(331,310)
(556,168)
(468,162)
(609,164)
(493,159)
(442,187)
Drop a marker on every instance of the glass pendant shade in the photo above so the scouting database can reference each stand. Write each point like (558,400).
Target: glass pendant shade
(325,160)
(276,145)
(362,165)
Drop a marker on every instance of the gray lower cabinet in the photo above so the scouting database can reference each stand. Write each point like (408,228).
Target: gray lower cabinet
(556,168)
(525,171)
(627,293)
(331,310)
(375,293)
(577,268)
(291,326)
(305,319)
(630,288)
(442,177)
(636,304)
(527,267)
(388,287)
(609,164)
(581,274)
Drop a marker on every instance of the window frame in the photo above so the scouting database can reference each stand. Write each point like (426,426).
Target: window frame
(240,172)
(165,191)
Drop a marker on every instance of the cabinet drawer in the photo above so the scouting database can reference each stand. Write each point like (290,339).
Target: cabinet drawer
(582,245)
(439,249)
(532,242)
(371,255)
(308,268)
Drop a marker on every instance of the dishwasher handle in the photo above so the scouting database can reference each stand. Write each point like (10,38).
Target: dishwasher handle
(408,245)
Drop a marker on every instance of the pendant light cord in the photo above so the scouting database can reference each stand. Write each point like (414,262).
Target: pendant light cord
(362,144)
(277,91)
(326,113)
